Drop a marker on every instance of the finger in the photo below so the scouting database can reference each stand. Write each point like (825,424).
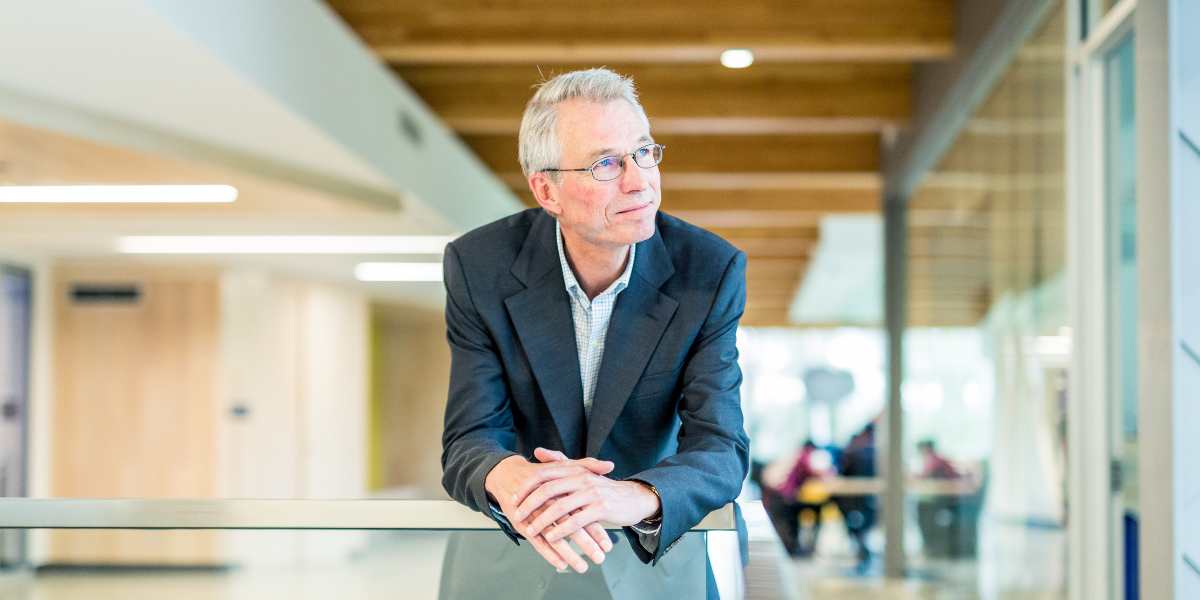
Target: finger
(564,550)
(597,466)
(540,475)
(546,455)
(561,508)
(568,525)
(588,545)
(543,548)
(546,492)
(598,533)
(545,472)
(523,527)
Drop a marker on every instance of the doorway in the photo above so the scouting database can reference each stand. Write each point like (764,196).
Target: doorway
(15,303)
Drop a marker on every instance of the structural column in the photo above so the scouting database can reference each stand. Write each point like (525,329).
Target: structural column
(1168,197)
(895,248)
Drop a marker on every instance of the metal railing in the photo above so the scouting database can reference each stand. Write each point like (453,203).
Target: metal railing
(129,513)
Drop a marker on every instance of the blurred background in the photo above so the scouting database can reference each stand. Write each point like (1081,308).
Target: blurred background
(221,228)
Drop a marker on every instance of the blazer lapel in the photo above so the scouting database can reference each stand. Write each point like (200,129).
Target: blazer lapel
(639,318)
(541,315)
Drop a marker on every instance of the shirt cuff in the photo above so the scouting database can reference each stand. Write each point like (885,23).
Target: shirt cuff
(648,537)
(496,512)
(647,529)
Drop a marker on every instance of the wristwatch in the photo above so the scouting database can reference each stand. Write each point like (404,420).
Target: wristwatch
(655,519)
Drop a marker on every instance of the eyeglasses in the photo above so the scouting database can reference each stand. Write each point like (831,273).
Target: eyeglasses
(608,168)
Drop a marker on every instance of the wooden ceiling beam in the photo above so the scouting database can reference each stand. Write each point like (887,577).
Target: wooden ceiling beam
(480,31)
(730,233)
(680,201)
(766,318)
(861,182)
(687,99)
(768,248)
(507,52)
(750,154)
(824,201)
(710,219)
(771,284)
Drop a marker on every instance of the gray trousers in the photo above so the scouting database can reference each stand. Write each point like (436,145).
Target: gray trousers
(486,565)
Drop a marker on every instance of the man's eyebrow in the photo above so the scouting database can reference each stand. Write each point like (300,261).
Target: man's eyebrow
(602,152)
(645,139)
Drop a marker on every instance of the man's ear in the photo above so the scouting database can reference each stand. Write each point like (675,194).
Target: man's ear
(545,192)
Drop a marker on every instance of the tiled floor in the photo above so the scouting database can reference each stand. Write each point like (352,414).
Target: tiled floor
(1014,564)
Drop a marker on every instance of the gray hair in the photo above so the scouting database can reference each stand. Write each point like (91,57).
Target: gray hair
(538,146)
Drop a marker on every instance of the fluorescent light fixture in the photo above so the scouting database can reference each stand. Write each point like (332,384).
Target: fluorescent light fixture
(117,194)
(283,244)
(397,271)
(737,58)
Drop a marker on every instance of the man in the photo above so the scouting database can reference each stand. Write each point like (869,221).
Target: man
(594,373)
(935,466)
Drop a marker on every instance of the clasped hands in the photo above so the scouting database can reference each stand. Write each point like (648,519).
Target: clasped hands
(559,499)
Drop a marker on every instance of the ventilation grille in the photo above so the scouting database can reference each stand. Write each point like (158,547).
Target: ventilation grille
(107,293)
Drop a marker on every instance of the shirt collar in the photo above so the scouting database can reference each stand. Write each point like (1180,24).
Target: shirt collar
(572,284)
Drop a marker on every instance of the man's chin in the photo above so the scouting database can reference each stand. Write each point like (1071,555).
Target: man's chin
(643,232)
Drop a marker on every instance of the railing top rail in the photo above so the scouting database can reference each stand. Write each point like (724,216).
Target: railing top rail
(146,513)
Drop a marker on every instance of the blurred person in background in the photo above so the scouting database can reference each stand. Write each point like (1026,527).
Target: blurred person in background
(935,466)
(785,502)
(860,512)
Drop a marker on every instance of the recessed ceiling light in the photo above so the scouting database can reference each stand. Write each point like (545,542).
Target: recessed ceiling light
(117,194)
(283,244)
(397,271)
(737,58)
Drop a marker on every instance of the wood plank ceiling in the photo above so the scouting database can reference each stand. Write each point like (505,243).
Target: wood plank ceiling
(757,155)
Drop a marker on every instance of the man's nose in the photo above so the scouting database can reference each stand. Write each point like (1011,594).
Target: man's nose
(633,179)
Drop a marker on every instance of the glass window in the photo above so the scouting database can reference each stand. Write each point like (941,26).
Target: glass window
(988,348)
(1120,198)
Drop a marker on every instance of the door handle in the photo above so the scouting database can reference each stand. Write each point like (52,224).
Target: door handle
(10,410)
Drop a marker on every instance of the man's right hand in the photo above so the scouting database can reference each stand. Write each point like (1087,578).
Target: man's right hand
(513,478)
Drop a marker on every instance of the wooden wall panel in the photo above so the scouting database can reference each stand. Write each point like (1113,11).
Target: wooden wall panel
(412,374)
(135,406)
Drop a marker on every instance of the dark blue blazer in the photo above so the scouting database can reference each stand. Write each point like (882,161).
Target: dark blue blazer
(667,409)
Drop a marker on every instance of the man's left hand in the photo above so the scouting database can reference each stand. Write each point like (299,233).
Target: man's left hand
(575,502)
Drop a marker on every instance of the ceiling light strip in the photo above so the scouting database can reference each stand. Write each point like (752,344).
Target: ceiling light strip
(117,194)
(283,244)
(396,271)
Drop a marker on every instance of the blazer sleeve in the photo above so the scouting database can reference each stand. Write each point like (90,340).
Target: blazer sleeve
(478,429)
(713,454)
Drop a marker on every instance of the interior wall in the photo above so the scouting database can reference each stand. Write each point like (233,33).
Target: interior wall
(295,400)
(411,373)
(134,397)
(260,334)
(259,445)
(219,384)
(333,403)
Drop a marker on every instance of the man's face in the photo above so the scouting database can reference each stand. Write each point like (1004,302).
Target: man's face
(609,214)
